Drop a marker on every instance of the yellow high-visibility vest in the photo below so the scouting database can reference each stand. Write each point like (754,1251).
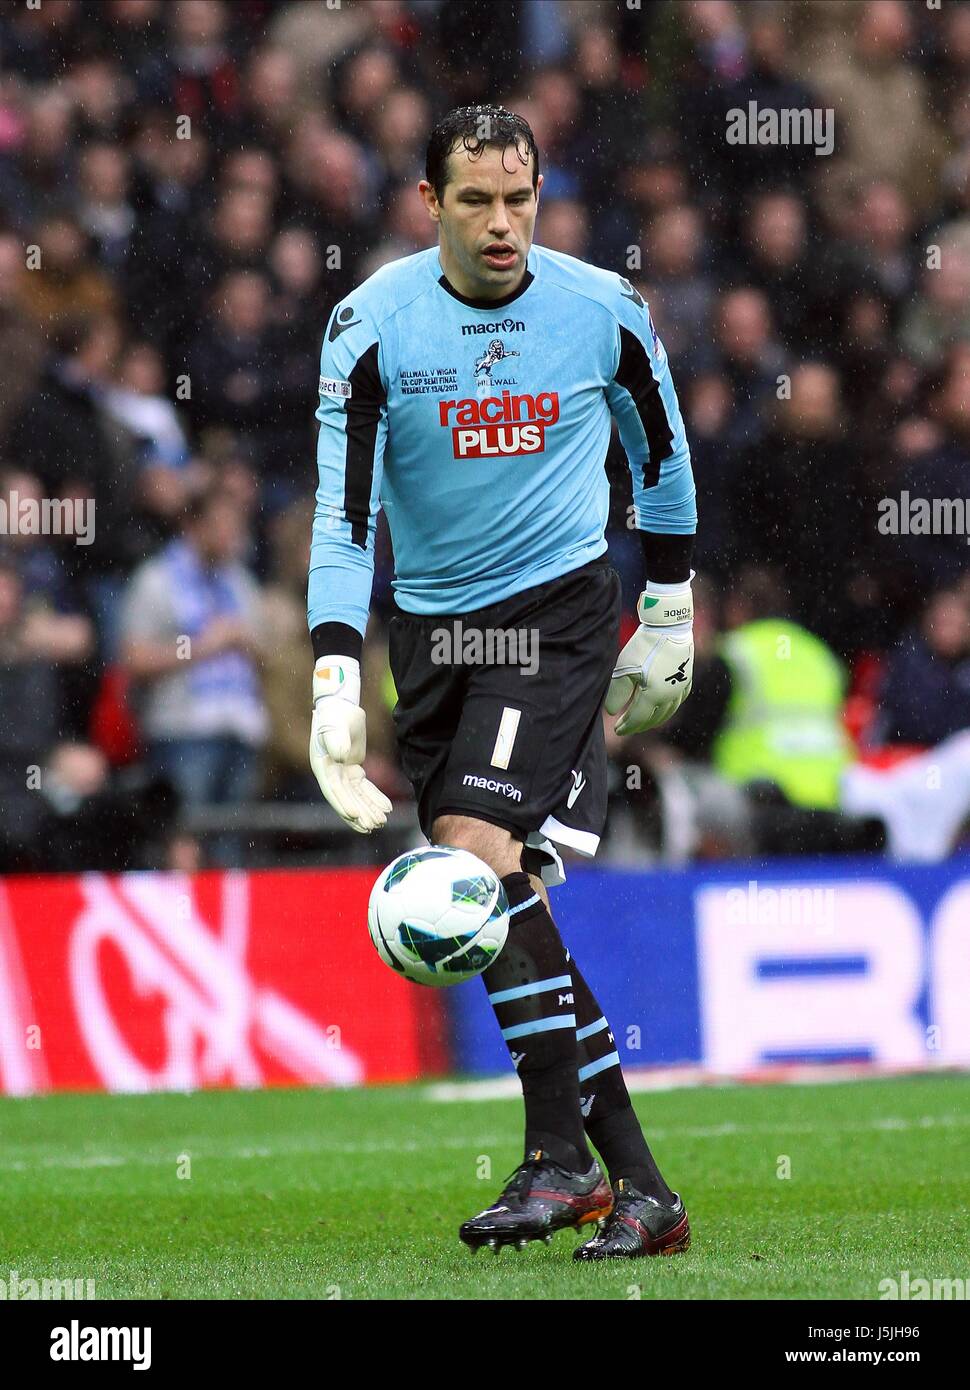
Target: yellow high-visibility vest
(784,718)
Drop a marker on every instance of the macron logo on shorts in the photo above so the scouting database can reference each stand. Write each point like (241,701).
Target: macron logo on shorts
(488,784)
(579,782)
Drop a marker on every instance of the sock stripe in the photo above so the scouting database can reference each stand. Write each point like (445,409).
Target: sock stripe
(612,1059)
(521,907)
(539,1025)
(503,996)
(591,1028)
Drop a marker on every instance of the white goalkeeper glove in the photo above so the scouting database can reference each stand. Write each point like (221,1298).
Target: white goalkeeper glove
(338,742)
(655,669)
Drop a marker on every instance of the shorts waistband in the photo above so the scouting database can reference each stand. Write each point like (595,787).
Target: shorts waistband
(521,595)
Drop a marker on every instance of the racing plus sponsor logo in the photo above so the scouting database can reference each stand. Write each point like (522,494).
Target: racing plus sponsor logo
(497,425)
(489,784)
(504,326)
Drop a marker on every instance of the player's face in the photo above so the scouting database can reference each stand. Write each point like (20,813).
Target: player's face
(487,217)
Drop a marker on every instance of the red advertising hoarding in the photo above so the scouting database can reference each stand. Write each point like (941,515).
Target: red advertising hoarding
(157,981)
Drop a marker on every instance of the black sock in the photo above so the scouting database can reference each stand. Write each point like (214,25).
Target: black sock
(530,989)
(611,1122)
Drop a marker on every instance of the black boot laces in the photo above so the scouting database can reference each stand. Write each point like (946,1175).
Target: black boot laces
(520,1180)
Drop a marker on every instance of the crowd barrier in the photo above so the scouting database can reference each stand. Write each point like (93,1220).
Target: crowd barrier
(157,981)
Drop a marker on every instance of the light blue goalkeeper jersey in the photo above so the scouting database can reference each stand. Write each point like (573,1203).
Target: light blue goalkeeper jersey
(483,431)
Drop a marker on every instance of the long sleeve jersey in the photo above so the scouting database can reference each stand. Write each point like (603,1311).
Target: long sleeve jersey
(482,431)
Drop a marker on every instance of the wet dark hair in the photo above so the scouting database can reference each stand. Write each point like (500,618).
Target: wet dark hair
(477,128)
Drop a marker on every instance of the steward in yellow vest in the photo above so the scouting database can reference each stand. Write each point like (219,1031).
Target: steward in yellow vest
(783,721)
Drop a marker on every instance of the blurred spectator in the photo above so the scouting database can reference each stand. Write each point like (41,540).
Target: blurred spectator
(231,364)
(782,710)
(873,90)
(926,693)
(36,170)
(67,438)
(136,399)
(733,67)
(205,80)
(21,339)
(751,360)
(270,96)
(708,405)
(789,509)
(807,308)
(95,819)
(102,206)
(937,469)
(192,636)
(34,641)
(64,287)
(883,230)
(939,318)
(681,292)
(565,227)
(331,185)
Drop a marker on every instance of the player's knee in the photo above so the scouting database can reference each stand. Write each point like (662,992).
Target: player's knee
(498,848)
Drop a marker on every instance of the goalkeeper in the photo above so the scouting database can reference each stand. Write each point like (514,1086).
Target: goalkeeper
(469,390)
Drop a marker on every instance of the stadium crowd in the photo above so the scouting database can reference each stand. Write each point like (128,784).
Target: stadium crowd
(186,189)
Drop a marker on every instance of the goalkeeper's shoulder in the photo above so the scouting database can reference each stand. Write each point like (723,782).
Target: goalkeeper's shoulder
(615,294)
(390,289)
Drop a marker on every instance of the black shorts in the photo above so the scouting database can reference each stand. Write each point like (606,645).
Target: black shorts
(499,711)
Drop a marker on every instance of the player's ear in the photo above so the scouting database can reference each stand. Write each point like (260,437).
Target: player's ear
(430,199)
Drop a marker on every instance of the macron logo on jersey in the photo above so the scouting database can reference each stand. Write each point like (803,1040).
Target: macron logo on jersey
(498,425)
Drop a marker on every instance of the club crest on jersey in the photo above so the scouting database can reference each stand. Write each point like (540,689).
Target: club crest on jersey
(496,352)
(492,426)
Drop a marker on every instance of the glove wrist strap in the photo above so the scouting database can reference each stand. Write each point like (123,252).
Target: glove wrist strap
(337,675)
(666,605)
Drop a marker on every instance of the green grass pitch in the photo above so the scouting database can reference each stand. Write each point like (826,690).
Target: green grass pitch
(359,1194)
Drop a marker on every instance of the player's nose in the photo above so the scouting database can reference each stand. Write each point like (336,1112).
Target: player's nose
(500,223)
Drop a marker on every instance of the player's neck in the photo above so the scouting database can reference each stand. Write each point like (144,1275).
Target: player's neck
(475,290)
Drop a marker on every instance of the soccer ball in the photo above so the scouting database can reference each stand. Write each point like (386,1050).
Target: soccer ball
(438,915)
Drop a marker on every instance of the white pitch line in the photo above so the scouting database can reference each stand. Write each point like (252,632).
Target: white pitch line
(894,1124)
(675,1078)
(280,1150)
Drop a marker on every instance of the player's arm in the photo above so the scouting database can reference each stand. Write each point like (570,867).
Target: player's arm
(654,671)
(350,451)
